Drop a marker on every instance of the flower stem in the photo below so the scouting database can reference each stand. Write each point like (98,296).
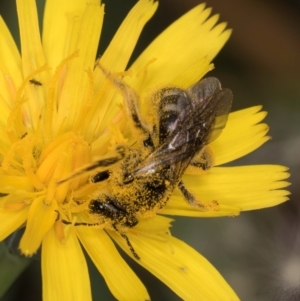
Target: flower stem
(11,266)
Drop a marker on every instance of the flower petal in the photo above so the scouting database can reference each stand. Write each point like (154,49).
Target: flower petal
(156,225)
(41,218)
(64,269)
(10,79)
(117,55)
(76,89)
(192,42)
(10,66)
(242,135)
(121,280)
(32,52)
(11,221)
(180,267)
(246,187)
(10,184)
(178,206)
(32,60)
(119,51)
(61,21)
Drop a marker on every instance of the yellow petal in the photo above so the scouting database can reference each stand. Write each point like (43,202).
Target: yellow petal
(64,269)
(61,22)
(75,90)
(10,184)
(183,52)
(156,225)
(3,133)
(242,135)
(178,206)
(117,55)
(32,53)
(121,280)
(10,67)
(119,51)
(41,218)
(32,58)
(180,267)
(246,187)
(11,221)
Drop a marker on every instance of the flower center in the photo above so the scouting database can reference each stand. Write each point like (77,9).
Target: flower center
(58,160)
(38,150)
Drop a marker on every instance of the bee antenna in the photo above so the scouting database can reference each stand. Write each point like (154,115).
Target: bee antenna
(75,224)
(121,150)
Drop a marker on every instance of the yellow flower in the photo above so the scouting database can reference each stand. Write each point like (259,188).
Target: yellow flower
(60,112)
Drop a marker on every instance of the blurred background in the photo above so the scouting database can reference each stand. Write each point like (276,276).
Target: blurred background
(258,252)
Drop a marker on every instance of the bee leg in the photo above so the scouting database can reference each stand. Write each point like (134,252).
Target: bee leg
(203,160)
(201,165)
(131,99)
(123,235)
(188,196)
(191,199)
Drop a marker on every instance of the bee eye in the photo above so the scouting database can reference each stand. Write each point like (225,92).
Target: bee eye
(148,142)
(128,178)
(101,176)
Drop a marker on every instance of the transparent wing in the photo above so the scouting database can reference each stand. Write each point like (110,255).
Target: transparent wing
(223,107)
(200,125)
(204,89)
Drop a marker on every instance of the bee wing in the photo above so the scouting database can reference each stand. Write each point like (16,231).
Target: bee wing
(199,126)
(204,89)
(203,92)
(224,98)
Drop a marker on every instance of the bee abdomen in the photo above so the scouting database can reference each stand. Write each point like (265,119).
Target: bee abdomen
(173,106)
(167,124)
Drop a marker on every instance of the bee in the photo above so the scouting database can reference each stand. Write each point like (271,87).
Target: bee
(141,179)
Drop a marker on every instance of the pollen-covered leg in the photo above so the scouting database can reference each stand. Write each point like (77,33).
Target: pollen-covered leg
(203,160)
(131,100)
(191,199)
